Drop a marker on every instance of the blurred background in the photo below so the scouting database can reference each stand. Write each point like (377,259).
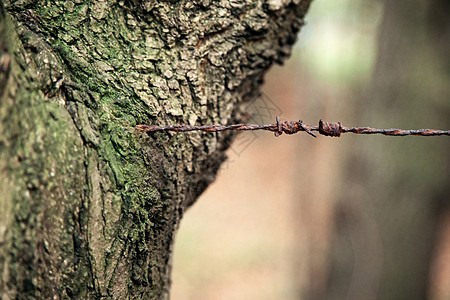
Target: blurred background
(355,217)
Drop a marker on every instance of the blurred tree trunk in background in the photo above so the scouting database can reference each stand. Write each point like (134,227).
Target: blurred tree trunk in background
(387,213)
(90,206)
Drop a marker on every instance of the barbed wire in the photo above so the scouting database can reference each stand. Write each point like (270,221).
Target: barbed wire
(291,127)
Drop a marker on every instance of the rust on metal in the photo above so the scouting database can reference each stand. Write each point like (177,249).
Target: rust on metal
(291,127)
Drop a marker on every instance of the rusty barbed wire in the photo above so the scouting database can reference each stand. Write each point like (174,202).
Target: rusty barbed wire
(291,127)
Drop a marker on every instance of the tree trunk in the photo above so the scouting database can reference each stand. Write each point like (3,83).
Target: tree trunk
(89,205)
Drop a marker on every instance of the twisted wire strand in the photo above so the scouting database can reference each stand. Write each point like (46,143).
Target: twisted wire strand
(291,127)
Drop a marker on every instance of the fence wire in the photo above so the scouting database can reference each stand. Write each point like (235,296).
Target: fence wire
(291,127)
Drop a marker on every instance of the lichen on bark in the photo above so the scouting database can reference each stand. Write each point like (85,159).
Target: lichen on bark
(92,205)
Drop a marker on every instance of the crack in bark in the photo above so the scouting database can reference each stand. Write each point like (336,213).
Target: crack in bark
(101,68)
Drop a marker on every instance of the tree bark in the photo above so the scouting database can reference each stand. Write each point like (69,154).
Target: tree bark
(89,205)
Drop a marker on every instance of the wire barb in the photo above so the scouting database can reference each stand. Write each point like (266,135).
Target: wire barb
(291,127)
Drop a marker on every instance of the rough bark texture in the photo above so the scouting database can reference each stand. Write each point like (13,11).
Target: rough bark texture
(90,206)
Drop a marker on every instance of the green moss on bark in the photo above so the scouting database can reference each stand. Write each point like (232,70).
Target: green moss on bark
(96,204)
